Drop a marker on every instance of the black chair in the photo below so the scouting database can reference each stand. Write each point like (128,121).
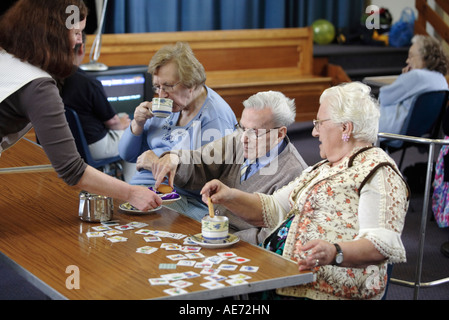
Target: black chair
(82,146)
(424,120)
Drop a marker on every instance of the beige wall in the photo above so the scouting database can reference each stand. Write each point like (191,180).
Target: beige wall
(446,19)
(395,7)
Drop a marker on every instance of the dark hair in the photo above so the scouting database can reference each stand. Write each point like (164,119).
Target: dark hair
(78,45)
(35,31)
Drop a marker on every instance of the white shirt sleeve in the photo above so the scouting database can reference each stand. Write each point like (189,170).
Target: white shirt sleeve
(381,214)
(276,207)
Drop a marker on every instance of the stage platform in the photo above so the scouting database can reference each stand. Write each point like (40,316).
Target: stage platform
(360,61)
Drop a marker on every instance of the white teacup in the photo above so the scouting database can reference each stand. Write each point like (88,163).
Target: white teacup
(215,230)
(162,107)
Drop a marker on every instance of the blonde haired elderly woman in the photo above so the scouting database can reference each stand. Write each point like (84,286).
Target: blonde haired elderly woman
(341,218)
(199,114)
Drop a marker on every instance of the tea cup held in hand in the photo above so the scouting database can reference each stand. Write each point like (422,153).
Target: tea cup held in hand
(162,107)
(215,229)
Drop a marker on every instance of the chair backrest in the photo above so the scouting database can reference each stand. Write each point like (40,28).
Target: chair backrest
(81,142)
(426,114)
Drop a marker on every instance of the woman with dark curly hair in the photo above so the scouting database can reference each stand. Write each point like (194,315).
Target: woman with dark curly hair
(427,66)
(37,38)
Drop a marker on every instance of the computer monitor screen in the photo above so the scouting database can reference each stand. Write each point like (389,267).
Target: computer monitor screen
(126,87)
(125,92)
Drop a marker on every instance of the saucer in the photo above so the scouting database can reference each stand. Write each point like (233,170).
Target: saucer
(198,239)
(173,198)
(167,198)
(127,207)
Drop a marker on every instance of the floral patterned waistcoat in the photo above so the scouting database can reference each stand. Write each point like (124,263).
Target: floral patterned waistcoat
(328,210)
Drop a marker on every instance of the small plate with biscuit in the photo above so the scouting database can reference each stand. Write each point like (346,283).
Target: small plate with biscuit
(128,208)
(167,193)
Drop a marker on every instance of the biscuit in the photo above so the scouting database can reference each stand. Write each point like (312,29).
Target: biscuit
(163,188)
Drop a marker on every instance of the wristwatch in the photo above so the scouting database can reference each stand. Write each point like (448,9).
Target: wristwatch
(339,255)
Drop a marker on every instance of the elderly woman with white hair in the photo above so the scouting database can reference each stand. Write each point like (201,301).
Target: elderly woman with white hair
(341,218)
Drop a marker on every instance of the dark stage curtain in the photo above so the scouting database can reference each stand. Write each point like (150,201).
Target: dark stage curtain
(135,16)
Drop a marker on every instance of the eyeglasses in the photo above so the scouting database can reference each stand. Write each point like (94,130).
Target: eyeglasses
(253,133)
(166,88)
(316,123)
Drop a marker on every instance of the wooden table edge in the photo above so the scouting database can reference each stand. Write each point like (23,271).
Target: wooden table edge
(40,285)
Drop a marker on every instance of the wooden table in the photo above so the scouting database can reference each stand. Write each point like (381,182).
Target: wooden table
(377,82)
(42,236)
(380,80)
(24,156)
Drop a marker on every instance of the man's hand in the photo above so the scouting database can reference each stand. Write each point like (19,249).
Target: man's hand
(165,167)
(146,160)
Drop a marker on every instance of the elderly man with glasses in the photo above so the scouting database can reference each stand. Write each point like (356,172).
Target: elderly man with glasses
(257,157)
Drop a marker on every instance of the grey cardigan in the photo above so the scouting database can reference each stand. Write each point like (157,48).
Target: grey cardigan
(193,173)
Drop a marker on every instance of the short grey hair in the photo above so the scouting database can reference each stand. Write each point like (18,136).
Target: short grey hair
(283,108)
(353,102)
(190,71)
(432,53)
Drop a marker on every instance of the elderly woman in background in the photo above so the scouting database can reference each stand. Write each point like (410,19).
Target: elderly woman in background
(344,216)
(427,65)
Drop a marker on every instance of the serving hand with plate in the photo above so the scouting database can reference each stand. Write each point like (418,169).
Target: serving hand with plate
(165,192)
(128,208)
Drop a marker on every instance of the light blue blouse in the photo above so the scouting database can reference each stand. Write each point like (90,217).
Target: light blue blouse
(397,98)
(215,120)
